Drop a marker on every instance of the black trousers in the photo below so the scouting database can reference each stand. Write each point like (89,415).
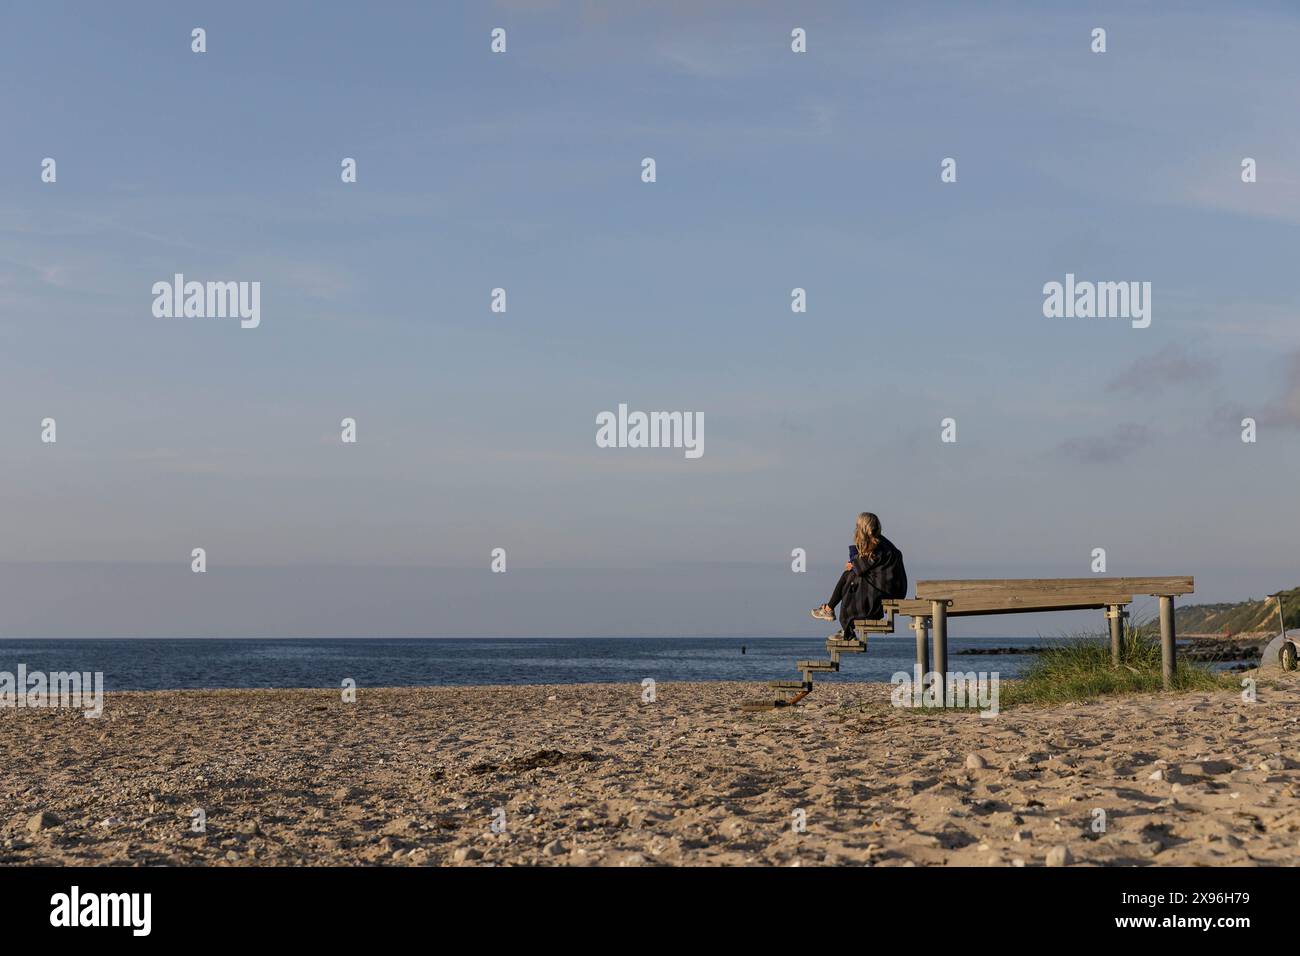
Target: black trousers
(839,590)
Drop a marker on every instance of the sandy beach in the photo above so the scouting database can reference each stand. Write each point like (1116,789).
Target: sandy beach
(591,775)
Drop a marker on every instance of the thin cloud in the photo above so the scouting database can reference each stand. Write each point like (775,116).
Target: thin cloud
(1285,410)
(1171,368)
(1107,449)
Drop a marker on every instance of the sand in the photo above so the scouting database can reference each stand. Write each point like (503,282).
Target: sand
(590,775)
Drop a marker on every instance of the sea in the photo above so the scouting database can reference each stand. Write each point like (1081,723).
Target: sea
(191,663)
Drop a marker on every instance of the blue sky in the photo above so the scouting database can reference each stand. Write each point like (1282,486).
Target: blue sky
(775,170)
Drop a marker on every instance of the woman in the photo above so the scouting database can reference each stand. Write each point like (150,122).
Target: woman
(874,572)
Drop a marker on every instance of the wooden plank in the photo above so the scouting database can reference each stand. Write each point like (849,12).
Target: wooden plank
(846,647)
(882,626)
(1175,585)
(976,604)
(909,608)
(971,605)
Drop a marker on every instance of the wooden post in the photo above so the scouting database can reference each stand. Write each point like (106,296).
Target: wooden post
(921,625)
(1115,615)
(1168,638)
(939,611)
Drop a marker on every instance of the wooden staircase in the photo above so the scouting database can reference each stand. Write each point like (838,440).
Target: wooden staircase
(787,693)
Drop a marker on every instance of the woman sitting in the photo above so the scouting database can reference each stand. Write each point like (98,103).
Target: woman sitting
(873,573)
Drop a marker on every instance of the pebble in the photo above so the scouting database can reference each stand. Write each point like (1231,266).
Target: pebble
(1059,856)
(975,762)
(42,821)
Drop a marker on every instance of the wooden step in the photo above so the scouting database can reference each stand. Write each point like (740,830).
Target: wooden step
(845,647)
(818,666)
(754,706)
(883,626)
(786,684)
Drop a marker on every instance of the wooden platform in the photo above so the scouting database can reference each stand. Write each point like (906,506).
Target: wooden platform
(936,601)
(1099,584)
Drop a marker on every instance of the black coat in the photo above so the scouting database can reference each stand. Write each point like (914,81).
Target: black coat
(871,581)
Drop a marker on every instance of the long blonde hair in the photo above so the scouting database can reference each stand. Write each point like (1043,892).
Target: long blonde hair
(866,534)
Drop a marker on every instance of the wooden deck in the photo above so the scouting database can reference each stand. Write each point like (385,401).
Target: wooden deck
(936,601)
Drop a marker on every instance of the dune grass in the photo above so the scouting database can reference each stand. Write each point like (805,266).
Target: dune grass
(1081,670)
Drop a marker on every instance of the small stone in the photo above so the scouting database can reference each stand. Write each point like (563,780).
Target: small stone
(1157,775)
(232,856)
(975,762)
(1059,856)
(554,848)
(1273,763)
(1022,836)
(465,854)
(42,821)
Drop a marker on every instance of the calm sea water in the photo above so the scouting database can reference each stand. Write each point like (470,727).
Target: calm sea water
(377,662)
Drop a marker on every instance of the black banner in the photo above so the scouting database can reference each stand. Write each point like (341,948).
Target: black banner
(733,905)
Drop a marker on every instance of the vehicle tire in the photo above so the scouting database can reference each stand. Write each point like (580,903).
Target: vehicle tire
(1287,655)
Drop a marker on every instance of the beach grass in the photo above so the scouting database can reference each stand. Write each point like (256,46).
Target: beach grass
(1081,669)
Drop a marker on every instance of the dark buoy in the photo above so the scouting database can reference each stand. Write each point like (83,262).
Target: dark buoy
(742,648)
